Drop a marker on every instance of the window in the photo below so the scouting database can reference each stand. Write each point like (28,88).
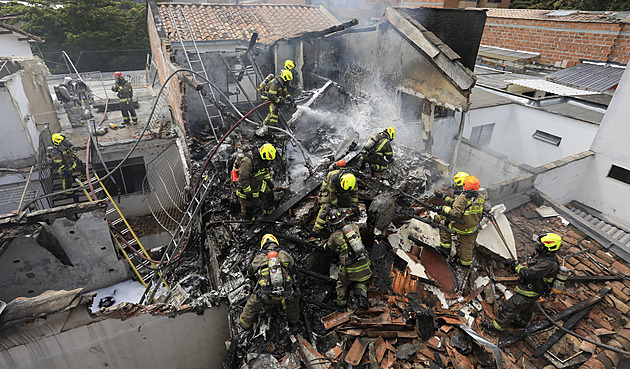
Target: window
(619,174)
(126,180)
(442,112)
(547,137)
(481,134)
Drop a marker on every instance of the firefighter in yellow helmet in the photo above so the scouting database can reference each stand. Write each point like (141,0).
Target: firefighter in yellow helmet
(354,261)
(289,64)
(277,91)
(456,188)
(65,160)
(467,206)
(339,189)
(377,151)
(535,278)
(254,181)
(272,268)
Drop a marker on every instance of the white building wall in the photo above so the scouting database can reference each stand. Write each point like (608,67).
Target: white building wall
(597,190)
(516,124)
(11,46)
(19,139)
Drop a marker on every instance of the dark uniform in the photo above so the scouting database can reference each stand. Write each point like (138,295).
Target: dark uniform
(331,194)
(254,183)
(535,277)
(66,161)
(265,295)
(469,210)
(125,94)
(275,91)
(353,267)
(378,151)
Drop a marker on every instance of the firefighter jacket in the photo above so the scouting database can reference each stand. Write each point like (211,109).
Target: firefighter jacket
(64,157)
(356,266)
(467,209)
(331,192)
(253,175)
(276,90)
(259,269)
(537,275)
(123,89)
(378,144)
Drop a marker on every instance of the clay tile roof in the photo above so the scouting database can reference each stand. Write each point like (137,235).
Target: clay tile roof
(549,15)
(213,22)
(17,30)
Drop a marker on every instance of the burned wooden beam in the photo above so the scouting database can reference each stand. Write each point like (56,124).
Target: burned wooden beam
(313,274)
(560,333)
(535,327)
(573,278)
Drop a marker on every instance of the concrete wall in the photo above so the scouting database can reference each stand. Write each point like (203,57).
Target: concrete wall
(135,204)
(610,196)
(563,178)
(27,269)
(490,167)
(445,136)
(10,45)
(560,43)
(144,341)
(515,124)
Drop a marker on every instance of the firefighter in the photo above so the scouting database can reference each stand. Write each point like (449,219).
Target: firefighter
(377,151)
(467,206)
(354,262)
(456,188)
(289,64)
(124,90)
(535,278)
(272,268)
(276,91)
(65,160)
(67,94)
(254,181)
(339,189)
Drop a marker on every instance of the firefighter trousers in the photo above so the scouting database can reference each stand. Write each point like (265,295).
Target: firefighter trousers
(126,108)
(267,200)
(518,309)
(466,245)
(343,286)
(257,302)
(272,117)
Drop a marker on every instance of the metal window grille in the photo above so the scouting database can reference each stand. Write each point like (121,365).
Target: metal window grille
(481,134)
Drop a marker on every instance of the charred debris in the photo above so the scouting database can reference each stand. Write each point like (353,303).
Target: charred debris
(423,311)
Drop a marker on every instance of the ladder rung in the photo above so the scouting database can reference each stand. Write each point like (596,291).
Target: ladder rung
(117,221)
(110,210)
(124,231)
(132,242)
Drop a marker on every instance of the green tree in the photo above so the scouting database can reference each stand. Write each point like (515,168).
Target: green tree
(97,34)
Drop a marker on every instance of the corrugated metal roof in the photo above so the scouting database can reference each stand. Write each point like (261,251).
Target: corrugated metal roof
(548,86)
(505,54)
(589,76)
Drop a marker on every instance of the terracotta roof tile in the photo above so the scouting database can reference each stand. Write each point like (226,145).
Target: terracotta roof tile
(539,14)
(213,22)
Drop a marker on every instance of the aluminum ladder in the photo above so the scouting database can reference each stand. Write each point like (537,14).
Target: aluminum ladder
(180,239)
(196,65)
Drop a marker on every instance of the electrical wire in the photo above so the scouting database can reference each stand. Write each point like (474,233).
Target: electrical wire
(602,345)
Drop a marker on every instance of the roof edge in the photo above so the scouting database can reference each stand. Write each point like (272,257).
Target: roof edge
(32,38)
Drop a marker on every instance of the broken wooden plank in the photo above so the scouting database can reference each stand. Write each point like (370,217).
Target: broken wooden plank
(356,352)
(335,319)
(311,357)
(558,334)
(535,327)
(390,334)
(572,278)
(459,361)
(381,347)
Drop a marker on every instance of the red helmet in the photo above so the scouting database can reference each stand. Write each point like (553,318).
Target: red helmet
(118,74)
(471,183)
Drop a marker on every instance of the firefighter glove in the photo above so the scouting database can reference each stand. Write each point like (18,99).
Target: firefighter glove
(436,209)
(249,196)
(510,263)
(270,185)
(355,210)
(438,194)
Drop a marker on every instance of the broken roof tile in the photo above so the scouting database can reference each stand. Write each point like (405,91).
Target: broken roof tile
(355,353)
(214,22)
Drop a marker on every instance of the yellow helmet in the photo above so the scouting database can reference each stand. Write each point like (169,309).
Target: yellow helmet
(550,241)
(57,138)
(289,64)
(459,177)
(268,238)
(267,152)
(286,75)
(391,132)
(348,181)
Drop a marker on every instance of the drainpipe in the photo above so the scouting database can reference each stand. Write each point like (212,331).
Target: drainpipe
(459,136)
